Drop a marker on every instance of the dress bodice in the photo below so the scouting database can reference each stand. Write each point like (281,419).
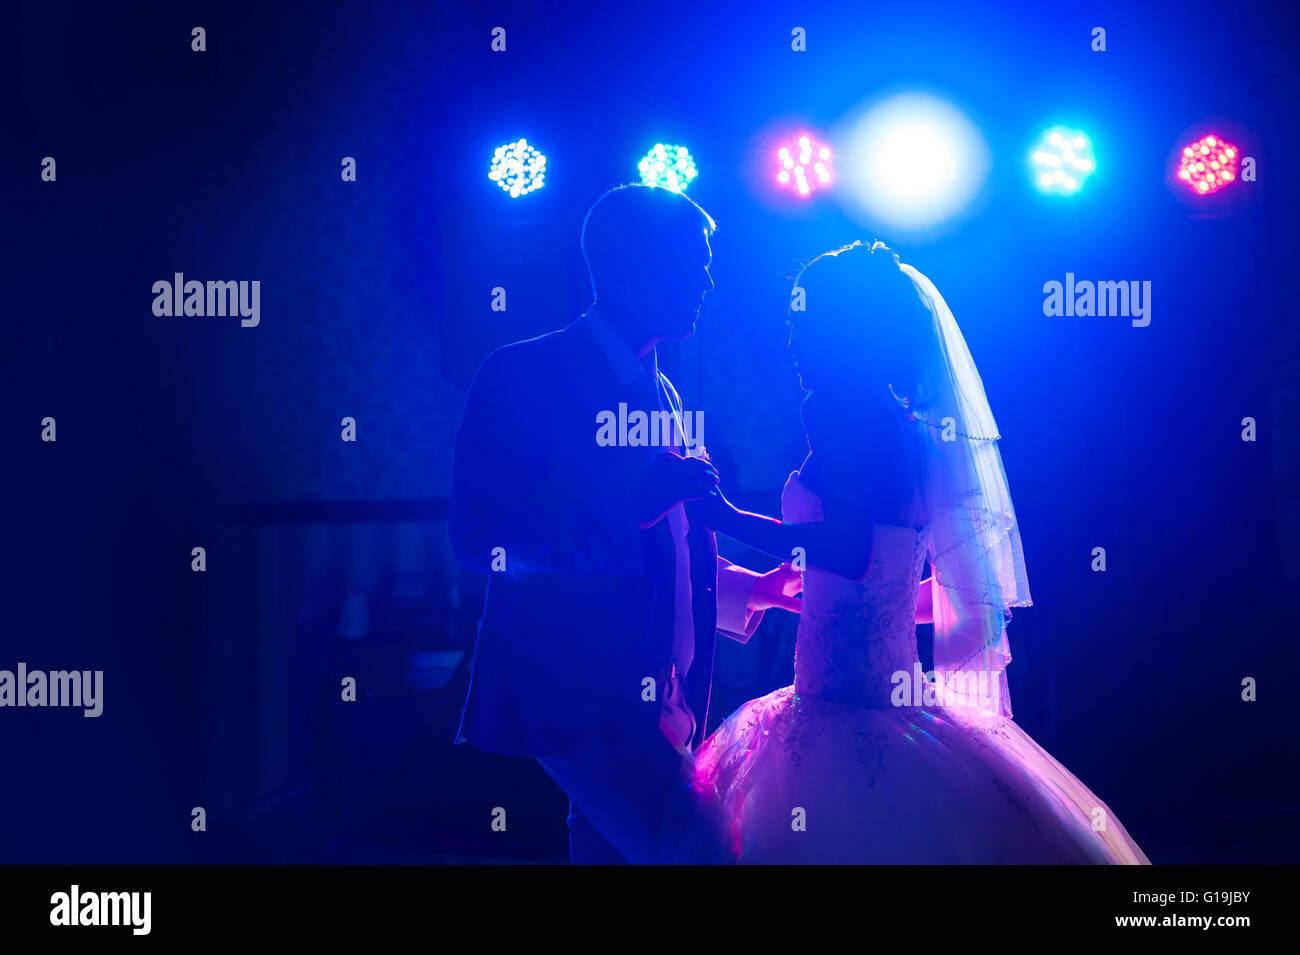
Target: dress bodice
(854,635)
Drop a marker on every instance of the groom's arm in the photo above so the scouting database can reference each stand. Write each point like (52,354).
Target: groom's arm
(503,492)
(495,501)
(743,596)
(524,479)
(735,586)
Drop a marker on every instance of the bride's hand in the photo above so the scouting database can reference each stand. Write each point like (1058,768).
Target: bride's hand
(716,510)
(777,588)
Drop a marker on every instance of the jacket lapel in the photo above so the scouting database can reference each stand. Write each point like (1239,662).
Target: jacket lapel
(659,551)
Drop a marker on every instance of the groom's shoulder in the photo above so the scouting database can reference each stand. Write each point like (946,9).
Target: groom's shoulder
(524,358)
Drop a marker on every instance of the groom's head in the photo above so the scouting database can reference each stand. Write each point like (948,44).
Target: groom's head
(648,253)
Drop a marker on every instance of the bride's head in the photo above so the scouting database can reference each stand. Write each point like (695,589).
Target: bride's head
(858,323)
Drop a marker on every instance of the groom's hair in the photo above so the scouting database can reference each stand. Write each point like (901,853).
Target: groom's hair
(626,225)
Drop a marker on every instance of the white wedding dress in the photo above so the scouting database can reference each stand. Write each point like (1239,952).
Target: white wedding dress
(829,770)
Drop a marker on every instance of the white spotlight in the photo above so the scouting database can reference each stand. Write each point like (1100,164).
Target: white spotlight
(911,162)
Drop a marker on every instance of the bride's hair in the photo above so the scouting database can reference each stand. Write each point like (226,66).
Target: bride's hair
(878,311)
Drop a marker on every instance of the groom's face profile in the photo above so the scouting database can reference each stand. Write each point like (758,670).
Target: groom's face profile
(649,255)
(681,279)
(662,284)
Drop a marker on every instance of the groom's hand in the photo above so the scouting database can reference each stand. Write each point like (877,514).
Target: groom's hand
(671,479)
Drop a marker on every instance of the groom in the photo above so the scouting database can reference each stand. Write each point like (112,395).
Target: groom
(595,650)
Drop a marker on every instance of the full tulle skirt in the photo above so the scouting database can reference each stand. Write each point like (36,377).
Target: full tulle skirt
(798,781)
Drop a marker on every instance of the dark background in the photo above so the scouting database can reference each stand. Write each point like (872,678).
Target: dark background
(328,559)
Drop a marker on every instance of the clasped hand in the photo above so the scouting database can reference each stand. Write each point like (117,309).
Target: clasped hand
(670,480)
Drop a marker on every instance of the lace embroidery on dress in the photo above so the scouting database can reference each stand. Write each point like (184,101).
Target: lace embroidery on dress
(855,634)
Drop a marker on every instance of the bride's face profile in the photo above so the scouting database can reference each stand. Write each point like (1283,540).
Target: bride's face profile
(833,346)
(858,326)
(821,358)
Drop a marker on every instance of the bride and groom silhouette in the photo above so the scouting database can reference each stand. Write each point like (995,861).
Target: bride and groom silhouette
(606,591)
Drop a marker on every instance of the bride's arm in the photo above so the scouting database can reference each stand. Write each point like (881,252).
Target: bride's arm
(842,548)
(778,538)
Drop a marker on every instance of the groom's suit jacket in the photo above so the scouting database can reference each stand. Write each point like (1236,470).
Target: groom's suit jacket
(579,610)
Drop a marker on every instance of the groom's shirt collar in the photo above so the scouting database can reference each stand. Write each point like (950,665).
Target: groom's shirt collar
(622,359)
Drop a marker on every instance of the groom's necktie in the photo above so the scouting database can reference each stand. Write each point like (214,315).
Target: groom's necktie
(676,438)
(676,719)
(650,395)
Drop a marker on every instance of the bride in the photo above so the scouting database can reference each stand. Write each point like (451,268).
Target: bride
(865,759)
